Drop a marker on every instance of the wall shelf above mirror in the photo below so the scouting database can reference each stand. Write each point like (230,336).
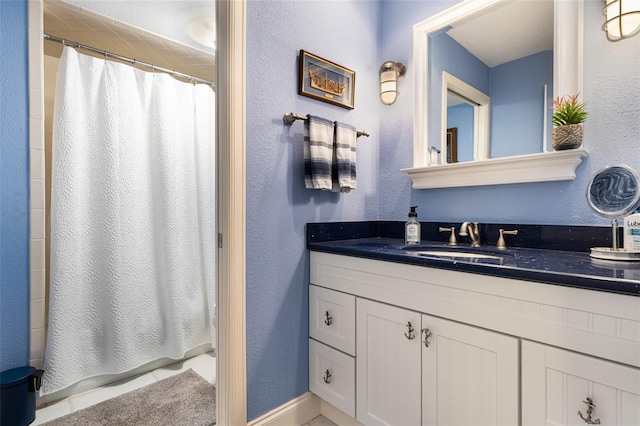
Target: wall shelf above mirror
(515,133)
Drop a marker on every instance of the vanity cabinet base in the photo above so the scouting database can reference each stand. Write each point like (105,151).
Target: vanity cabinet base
(440,347)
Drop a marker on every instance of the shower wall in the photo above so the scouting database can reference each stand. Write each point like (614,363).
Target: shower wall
(37,239)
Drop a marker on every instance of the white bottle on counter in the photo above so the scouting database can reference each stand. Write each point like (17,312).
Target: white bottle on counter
(631,239)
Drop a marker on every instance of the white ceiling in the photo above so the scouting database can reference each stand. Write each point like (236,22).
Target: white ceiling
(113,34)
(508,31)
(168,18)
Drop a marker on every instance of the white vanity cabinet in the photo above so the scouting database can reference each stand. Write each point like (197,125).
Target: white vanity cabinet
(556,384)
(500,351)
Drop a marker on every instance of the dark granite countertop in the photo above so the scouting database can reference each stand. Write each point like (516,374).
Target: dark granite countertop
(559,267)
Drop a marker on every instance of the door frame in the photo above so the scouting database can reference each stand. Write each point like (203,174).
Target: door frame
(230,128)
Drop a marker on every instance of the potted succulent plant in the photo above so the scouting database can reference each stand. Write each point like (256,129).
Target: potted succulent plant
(567,119)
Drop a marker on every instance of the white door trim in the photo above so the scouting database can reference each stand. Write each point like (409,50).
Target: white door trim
(231,181)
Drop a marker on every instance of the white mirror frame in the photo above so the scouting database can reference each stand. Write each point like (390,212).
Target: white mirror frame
(539,167)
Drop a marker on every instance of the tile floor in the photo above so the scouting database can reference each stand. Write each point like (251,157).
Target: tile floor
(204,364)
(320,421)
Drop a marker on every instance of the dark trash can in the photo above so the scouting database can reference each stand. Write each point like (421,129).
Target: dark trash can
(18,400)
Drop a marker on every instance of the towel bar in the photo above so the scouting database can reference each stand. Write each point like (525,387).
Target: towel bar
(290,117)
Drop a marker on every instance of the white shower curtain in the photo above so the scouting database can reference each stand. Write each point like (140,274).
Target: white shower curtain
(132,220)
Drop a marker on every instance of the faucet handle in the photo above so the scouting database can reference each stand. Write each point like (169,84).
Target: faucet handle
(452,238)
(501,244)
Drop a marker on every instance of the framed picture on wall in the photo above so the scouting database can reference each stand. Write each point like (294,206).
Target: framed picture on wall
(452,145)
(326,81)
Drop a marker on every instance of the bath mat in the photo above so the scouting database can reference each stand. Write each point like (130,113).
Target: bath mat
(183,399)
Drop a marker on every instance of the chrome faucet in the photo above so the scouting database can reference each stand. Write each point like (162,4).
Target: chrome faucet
(471,230)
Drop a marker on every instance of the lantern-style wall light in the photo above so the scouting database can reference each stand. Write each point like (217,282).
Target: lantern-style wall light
(390,74)
(623,19)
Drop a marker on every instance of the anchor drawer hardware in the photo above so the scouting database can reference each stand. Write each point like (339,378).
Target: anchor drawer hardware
(411,334)
(590,406)
(328,320)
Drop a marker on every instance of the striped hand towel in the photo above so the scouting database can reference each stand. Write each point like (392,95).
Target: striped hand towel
(345,155)
(318,153)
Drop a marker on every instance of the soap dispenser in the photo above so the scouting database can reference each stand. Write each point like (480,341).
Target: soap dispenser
(412,228)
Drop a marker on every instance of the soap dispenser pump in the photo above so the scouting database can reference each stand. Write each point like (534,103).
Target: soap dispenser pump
(412,228)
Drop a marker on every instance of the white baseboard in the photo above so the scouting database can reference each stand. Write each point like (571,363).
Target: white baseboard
(302,410)
(296,412)
(336,416)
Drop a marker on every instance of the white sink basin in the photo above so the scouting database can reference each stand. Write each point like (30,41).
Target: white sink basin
(460,255)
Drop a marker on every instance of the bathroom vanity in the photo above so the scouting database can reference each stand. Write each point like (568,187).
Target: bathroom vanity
(536,337)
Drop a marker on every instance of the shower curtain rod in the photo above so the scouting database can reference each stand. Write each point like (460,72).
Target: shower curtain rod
(126,59)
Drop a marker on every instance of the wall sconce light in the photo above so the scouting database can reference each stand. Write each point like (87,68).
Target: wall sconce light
(390,74)
(623,19)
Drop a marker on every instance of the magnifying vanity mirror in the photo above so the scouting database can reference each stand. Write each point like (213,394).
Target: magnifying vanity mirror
(613,192)
(488,69)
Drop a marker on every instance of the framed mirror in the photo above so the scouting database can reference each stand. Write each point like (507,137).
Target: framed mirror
(522,130)
(517,75)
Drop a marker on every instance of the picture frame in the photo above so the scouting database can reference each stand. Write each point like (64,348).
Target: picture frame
(326,81)
(452,145)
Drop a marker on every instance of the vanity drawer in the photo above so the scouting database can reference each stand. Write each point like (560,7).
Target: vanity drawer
(332,376)
(332,318)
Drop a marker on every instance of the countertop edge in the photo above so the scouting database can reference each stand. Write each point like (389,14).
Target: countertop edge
(589,282)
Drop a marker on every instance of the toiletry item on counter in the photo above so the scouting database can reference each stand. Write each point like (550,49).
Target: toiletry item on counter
(412,228)
(631,238)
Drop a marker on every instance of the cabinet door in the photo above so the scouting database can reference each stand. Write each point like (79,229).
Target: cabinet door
(387,365)
(332,318)
(469,375)
(556,384)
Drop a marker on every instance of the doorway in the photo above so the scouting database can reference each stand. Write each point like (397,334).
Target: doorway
(231,218)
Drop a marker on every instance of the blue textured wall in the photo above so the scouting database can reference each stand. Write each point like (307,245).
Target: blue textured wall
(278,205)
(518,104)
(14,186)
(612,133)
